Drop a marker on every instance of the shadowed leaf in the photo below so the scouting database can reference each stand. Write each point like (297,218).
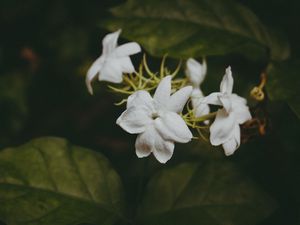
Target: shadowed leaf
(213,193)
(196,28)
(49,181)
(283,83)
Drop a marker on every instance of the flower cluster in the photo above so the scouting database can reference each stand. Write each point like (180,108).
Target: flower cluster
(162,119)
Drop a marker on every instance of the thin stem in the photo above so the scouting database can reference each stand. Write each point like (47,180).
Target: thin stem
(202,135)
(205,117)
(126,79)
(121,102)
(140,75)
(177,69)
(263,81)
(149,72)
(162,66)
(120,90)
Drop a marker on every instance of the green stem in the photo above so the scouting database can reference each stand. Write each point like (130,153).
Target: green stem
(126,79)
(205,117)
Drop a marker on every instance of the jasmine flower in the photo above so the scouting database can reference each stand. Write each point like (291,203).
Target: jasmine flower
(156,120)
(113,62)
(225,130)
(196,73)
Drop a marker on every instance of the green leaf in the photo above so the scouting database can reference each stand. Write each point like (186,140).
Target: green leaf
(196,28)
(283,83)
(49,181)
(213,193)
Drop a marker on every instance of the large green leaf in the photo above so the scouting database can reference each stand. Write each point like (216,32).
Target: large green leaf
(213,193)
(283,83)
(195,28)
(49,181)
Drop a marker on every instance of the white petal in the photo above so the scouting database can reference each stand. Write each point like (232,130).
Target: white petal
(242,114)
(227,82)
(179,99)
(163,150)
(144,144)
(222,128)
(204,69)
(111,71)
(127,49)
(163,91)
(226,102)
(141,98)
(134,120)
(238,99)
(195,71)
(150,141)
(173,128)
(231,145)
(213,99)
(200,109)
(197,94)
(109,42)
(126,65)
(240,109)
(92,73)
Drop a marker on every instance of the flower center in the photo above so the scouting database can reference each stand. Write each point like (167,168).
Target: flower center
(154,115)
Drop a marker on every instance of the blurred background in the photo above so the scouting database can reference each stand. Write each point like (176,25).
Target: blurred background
(46,48)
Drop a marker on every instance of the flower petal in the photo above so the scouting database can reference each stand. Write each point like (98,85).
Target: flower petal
(179,99)
(150,141)
(109,42)
(134,120)
(111,71)
(226,102)
(197,94)
(173,128)
(163,91)
(226,85)
(144,144)
(213,99)
(200,109)
(231,145)
(92,73)
(240,109)
(126,65)
(163,150)
(238,99)
(127,49)
(140,98)
(222,128)
(242,114)
(195,71)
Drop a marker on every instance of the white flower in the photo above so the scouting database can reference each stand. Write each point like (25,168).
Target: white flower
(225,129)
(156,120)
(196,73)
(113,62)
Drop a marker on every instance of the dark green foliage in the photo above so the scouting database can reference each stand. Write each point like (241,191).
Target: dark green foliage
(215,193)
(284,83)
(197,28)
(46,180)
